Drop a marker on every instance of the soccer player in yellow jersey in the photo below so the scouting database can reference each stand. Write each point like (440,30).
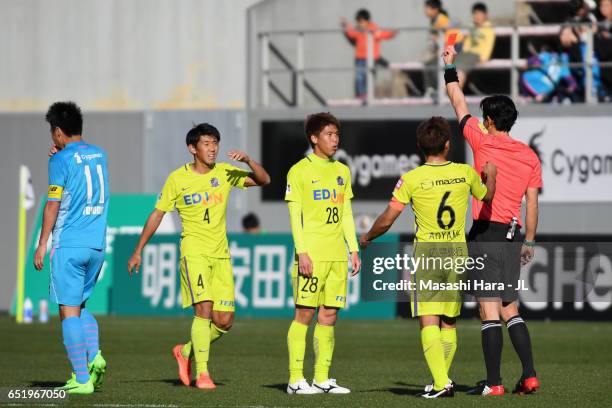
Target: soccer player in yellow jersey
(319,198)
(438,192)
(200,191)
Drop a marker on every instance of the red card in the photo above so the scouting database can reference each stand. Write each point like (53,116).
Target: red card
(452,39)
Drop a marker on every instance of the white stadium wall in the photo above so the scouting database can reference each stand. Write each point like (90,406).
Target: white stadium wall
(123,55)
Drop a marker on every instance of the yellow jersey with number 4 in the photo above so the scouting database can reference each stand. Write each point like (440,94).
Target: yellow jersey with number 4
(321,187)
(439,195)
(201,201)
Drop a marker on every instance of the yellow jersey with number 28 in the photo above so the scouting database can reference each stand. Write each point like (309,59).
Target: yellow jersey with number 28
(321,187)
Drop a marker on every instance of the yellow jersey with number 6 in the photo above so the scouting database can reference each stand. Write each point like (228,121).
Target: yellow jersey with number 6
(201,202)
(439,195)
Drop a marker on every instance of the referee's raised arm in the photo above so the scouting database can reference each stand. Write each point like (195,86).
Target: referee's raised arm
(455,94)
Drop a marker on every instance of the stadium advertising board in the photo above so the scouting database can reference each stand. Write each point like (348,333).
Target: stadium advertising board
(126,213)
(262,275)
(377,152)
(570,277)
(573,170)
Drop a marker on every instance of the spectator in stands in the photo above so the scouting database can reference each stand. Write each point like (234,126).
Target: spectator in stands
(548,78)
(603,42)
(478,44)
(605,22)
(573,43)
(438,20)
(250,224)
(358,36)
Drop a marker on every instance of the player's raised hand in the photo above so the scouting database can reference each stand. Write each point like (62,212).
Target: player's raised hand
(238,155)
(355,263)
(304,265)
(134,263)
(449,54)
(39,256)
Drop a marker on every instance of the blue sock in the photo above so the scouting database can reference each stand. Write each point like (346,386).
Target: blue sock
(90,328)
(74,340)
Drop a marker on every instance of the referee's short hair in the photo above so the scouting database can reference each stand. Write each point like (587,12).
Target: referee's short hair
(432,135)
(501,110)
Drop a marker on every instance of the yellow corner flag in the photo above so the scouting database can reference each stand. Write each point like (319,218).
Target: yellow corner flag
(26,201)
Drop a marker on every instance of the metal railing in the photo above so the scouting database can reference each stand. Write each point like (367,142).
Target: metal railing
(300,85)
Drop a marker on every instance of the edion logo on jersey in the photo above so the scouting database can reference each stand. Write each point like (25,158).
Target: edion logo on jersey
(197,198)
(323,194)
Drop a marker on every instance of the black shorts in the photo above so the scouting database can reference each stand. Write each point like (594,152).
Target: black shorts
(499,278)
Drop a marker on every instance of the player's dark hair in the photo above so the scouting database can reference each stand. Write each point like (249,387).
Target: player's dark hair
(315,123)
(203,129)
(480,7)
(66,116)
(362,14)
(501,110)
(250,221)
(432,135)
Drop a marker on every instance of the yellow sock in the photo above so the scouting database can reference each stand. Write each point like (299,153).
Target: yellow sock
(323,341)
(296,342)
(449,343)
(200,339)
(186,350)
(434,355)
(215,333)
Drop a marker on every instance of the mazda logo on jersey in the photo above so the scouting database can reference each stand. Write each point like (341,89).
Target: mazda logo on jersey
(325,194)
(377,152)
(206,199)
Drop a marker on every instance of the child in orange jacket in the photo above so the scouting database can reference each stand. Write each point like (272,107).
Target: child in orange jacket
(358,36)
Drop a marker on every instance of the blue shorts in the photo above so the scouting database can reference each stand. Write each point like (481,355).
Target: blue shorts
(74,273)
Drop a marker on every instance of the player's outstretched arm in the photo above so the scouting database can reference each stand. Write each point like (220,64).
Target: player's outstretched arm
(258,175)
(380,226)
(147,232)
(455,94)
(49,217)
(489,171)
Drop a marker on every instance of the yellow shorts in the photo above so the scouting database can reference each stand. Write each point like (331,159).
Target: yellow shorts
(428,299)
(207,279)
(326,287)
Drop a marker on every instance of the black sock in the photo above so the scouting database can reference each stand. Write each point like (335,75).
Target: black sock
(492,343)
(517,329)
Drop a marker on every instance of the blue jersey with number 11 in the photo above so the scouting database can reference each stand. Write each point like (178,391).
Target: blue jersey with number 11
(78,178)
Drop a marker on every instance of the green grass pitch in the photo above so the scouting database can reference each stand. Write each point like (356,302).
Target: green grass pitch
(381,361)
